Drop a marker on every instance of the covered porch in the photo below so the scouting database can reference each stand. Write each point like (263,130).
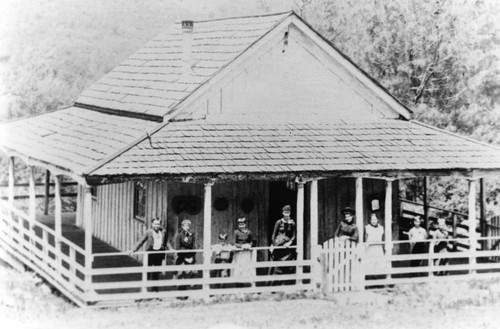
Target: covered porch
(82,256)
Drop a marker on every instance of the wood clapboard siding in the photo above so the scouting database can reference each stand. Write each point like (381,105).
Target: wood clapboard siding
(222,221)
(115,224)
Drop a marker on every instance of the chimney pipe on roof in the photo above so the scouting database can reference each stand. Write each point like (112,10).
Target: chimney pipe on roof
(187,45)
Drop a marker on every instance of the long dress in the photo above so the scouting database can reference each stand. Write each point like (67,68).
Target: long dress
(243,258)
(374,253)
(439,248)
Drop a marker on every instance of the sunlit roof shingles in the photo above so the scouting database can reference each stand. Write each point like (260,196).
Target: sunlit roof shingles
(214,44)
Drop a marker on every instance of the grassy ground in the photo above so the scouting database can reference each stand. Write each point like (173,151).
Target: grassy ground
(27,302)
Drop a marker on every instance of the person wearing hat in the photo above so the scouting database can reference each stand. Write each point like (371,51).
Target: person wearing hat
(243,241)
(347,230)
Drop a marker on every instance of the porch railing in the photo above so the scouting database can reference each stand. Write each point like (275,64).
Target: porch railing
(57,259)
(457,222)
(201,280)
(108,280)
(431,266)
(111,281)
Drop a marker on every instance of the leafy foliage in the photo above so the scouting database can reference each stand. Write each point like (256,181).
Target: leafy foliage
(441,58)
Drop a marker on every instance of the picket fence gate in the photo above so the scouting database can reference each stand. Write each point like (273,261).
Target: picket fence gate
(343,265)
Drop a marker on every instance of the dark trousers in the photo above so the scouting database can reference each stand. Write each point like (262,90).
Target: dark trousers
(155,259)
(418,248)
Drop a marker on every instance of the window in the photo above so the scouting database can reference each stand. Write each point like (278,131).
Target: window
(140,201)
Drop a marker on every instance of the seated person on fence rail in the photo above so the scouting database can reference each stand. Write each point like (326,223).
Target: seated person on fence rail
(223,254)
(347,229)
(155,240)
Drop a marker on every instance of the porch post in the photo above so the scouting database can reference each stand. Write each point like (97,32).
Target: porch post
(47,191)
(58,209)
(426,200)
(300,220)
(472,224)
(207,233)
(314,229)
(58,219)
(32,193)
(359,208)
(388,217)
(32,203)
(314,215)
(87,218)
(482,216)
(11,182)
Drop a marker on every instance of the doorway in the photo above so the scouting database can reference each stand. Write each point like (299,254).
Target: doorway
(281,193)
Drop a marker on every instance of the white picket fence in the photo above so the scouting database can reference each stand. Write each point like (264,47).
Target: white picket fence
(336,266)
(62,263)
(343,270)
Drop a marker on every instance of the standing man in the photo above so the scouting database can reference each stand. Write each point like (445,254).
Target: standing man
(155,243)
(347,230)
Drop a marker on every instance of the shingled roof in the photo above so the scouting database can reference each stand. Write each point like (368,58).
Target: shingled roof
(316,145)
(74,138)
(99,139)
(151,82)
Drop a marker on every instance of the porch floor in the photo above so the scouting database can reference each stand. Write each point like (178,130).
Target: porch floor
(77,235)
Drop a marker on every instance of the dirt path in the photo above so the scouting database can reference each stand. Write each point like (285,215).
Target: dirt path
(26,302)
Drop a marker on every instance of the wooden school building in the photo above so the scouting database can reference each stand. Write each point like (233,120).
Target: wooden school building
(227,118)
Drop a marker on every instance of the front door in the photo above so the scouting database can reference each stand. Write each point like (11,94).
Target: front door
(280,194)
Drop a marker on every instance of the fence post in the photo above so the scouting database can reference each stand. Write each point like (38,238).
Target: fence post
(72,270)
(145,272)
(472,225)
(431,259)
(360,273)
(455,220)
(254,264)
(325,278)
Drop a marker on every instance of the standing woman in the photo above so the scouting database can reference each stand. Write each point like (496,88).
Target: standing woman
(243,241)
(184,243)
(374,237)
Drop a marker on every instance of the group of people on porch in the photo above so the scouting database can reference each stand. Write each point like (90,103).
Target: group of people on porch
(374,238)
(283,237)
(282,246)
